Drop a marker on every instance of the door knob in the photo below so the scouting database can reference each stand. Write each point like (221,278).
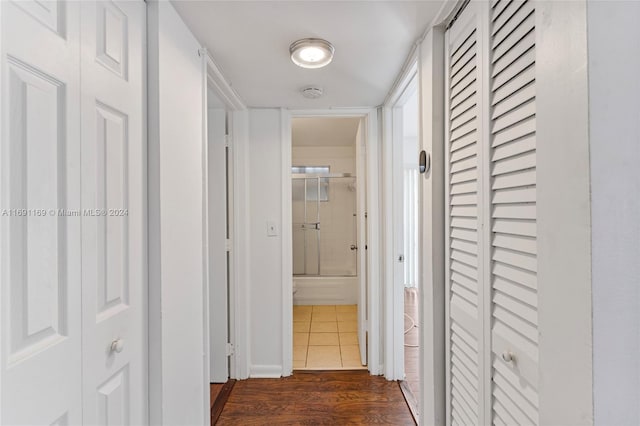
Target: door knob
(508,356)
(117,345)
(353,247)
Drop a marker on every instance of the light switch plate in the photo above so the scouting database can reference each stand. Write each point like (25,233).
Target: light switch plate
(272,229)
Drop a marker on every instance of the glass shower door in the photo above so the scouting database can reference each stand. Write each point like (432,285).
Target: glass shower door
(324,225)
(338,214)
(306,226)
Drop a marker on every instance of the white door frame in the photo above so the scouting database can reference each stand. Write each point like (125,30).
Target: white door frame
(393,166)
(370,116)
(432,248)
(238,139)
(428,54)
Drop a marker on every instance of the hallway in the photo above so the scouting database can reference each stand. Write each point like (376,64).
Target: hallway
(332,397)
(202,194)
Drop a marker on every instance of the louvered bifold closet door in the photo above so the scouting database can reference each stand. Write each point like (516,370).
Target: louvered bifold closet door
(514,321)
(464,293)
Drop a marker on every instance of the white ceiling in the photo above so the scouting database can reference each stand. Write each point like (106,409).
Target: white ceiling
(250,41)
(323,131)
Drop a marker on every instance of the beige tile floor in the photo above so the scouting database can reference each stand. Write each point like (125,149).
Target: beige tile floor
(325,337)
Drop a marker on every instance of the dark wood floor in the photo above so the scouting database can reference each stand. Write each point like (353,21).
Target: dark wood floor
(411,350)
(219,395)
(215,389)
(327,397)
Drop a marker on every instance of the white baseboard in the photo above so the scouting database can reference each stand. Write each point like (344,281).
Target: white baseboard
(265,372)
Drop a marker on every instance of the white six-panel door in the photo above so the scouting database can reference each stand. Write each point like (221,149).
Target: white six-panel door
(114,223)
(492,334)
(40,252)
(72,126)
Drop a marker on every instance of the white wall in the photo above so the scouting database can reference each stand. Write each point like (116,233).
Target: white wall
(563,212)
(614,116)
(175,221)
(340,158)
(265,205)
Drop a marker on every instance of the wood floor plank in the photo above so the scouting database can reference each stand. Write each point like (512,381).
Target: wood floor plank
(328,397)
(222,396)
(214,390)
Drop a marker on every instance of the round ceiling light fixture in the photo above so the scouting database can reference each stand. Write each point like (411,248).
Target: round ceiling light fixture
(311,52)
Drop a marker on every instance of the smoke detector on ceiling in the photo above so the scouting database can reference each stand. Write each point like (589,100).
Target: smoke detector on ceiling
(312,92)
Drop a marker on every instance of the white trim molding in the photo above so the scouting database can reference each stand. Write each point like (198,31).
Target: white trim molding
(431,73)
(266,371)
(287,243)
(206,355)
(563,206)
(217,81)
(392,194)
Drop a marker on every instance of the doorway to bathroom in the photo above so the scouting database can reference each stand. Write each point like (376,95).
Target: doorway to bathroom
(328,248)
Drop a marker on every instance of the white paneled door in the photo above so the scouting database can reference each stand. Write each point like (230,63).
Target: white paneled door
(114,222)
(492,331)
(40,245)
(218,245)
(72,213)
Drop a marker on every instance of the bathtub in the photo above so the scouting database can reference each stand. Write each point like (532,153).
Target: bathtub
(334,290)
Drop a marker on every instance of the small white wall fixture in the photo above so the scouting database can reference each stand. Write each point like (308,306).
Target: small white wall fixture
(369,117)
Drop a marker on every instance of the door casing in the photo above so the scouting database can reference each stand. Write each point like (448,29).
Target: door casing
(237,137)
(393,220)
(369,117)
(428,54)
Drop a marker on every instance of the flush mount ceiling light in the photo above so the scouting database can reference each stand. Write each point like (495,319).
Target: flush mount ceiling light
(311,52)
